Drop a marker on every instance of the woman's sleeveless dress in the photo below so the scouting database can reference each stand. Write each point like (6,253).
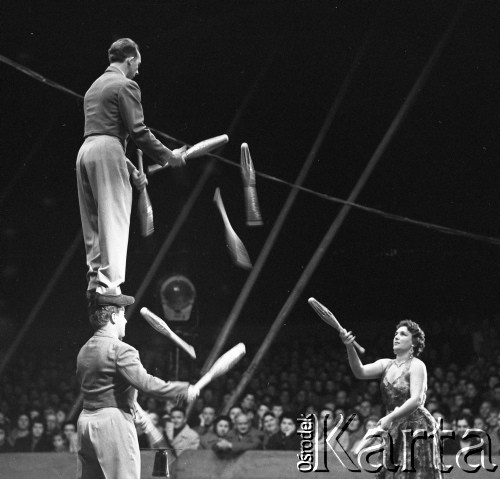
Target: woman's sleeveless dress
(426,452)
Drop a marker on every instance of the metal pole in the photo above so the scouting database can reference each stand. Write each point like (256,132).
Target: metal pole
(194,194)
(278,224)
(335,226)
(41,300)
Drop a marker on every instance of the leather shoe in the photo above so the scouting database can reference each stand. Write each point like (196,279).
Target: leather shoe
(120,300)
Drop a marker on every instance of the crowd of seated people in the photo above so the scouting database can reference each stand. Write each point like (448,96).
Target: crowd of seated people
(299,377)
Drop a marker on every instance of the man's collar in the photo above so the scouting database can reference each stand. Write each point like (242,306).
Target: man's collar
(114,68)
(103,333)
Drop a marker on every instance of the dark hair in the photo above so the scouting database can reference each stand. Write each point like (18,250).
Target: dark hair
(178,408)
(417,335)
(222,418)
(102,315)
(288,415)
(38,420)
(465,417)
(269,413)
(122,49)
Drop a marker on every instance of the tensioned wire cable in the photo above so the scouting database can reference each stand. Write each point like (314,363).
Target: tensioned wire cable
(390,216)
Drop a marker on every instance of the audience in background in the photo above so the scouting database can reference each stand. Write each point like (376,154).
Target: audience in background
(221,427)
(303,376)
(4,444)
(243,437)
(179,434)
(286,439)
(207,418)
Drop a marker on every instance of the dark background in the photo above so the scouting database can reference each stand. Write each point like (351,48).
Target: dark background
(199,61)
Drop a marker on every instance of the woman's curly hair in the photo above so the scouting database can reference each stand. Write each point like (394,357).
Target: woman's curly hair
(417,335)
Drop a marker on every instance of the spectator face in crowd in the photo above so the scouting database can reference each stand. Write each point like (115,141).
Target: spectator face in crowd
(479,423)
(451,377)
(329,386)
(445,389)
(208,415)
(307,385)
(432,406)
(355,424)
(277,410)
(458,401)
(341,398)
(439,373)
(492,419)
(208,396)
(23,423)
(269,423)
(230,384)
(60,418)
(311,409)
(462,385)
(484,409)
(329,416)
(462,425)
(301,397)
(287,425)
(51,422)
(151,405)
(261,410)
(373,388)
(496,394)
(318,386)
(493,381)
(222,427)
(470,390)
(242,424)
(34,414)
(370,423)
(55,399)
(58,442)
(233,412)
(339,415)
(178,419)
(37,429)
(4,421)
(155,419)
(2,436)
(365,409)
(69,430)
(285,396)
(248,402)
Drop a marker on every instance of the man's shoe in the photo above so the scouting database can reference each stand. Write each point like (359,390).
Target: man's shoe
(120,300)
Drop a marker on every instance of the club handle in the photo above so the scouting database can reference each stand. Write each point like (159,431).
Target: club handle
(361,349)
(130,166)
(204,380)
(139,161)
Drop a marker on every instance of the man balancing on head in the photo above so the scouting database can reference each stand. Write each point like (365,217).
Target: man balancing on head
(113,114)
(110,372)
